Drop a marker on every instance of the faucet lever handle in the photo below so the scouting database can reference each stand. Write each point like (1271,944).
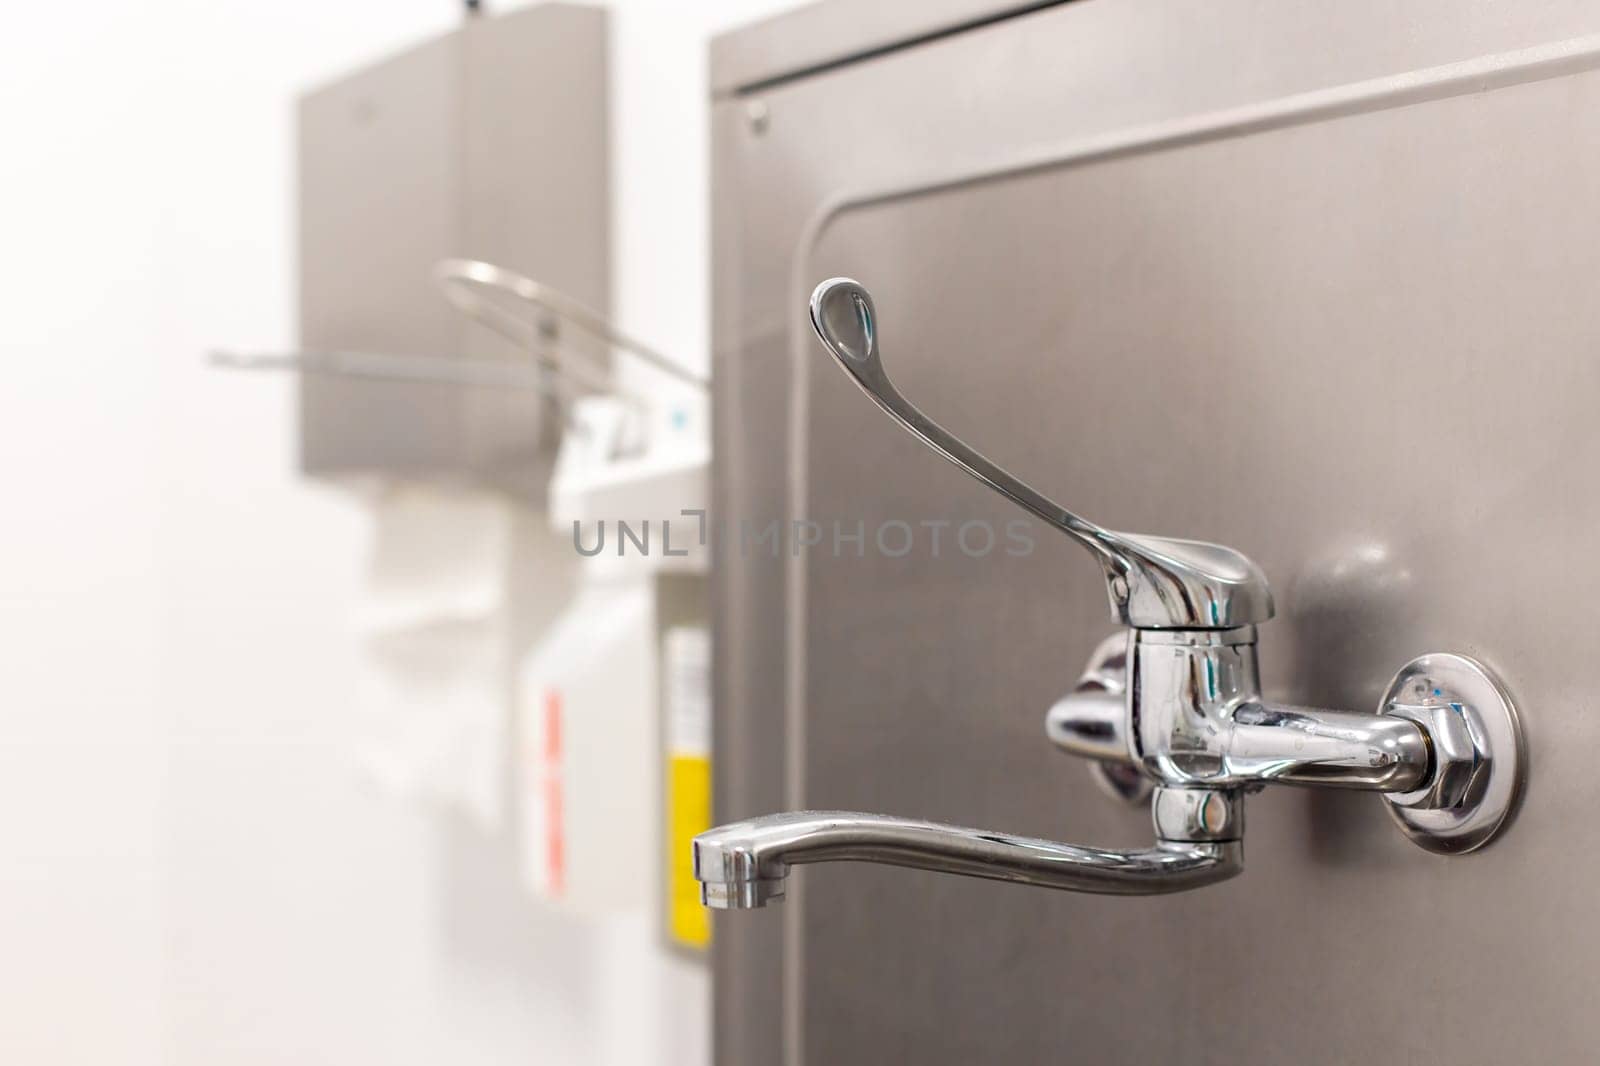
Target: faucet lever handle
(1152,582)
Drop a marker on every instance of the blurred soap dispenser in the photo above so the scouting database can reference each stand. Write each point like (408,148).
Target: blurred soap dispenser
(615,716)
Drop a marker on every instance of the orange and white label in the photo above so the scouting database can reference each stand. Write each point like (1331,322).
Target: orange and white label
(555,825)
(544,798)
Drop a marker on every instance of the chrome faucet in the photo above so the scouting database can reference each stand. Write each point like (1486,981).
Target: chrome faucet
(1172,708)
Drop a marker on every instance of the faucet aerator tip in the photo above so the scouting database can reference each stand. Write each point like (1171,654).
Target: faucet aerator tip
(740,895)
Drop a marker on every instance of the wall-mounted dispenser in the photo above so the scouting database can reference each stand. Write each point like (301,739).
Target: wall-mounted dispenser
(492,141)
(455,339)
(489,142)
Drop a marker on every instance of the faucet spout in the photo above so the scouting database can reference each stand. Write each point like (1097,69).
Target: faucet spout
(744,864)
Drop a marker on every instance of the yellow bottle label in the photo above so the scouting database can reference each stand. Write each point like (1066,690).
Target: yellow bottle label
(688,815)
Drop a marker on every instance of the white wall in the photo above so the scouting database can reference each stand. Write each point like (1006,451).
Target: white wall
(190,871)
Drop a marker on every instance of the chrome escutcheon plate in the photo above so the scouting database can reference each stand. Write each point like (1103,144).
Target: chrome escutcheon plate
(1480,759)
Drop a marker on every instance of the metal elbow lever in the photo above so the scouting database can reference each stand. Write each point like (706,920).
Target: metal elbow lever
(1176,699)
(1155,582)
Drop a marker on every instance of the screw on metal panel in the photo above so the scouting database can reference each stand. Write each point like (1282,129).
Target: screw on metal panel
(757,115)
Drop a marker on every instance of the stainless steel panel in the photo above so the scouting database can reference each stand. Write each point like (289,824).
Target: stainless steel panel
(1380,219)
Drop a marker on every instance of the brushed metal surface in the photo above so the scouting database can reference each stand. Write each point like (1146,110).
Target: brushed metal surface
(374,148)
(537,200)
(831,32)
(1380,218)
(490,142)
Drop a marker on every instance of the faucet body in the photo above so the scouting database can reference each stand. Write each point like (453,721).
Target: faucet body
(1176,698)
(1184,707)
(1196,718)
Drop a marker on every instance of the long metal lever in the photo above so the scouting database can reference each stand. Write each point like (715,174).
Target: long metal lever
(543,376)
(462,280)
(414,369)
(1152,582)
